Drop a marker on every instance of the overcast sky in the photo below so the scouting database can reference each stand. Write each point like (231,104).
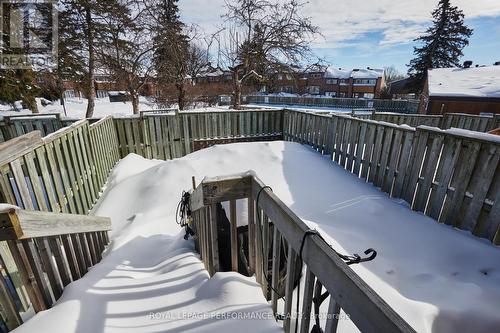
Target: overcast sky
(376,33)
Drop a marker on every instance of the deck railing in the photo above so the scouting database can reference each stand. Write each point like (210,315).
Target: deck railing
(269,222)
(63,172)
(470,122)
(171,135)
(449,175)
(50,250)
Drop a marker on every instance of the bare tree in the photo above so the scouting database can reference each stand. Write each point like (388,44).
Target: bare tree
(264,33)
(126,49)
(392,74)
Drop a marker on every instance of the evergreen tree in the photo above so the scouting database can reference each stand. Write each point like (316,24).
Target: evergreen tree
(70,43)
(442,43)
(87,17)
(18,84)
(172,52)
(125,47)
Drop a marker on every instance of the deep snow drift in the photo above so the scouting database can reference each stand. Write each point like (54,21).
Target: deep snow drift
(437,278)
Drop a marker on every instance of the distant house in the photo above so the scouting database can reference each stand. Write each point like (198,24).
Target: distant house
(333,82)
(472,90)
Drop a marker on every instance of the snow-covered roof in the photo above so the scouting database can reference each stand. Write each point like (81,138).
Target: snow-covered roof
(372,73)
(465,82)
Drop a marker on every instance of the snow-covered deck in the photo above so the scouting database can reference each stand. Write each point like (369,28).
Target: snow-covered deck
(151,280)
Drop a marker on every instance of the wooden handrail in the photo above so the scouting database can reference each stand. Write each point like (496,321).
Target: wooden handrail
(17,224)
(49,250)
(14,148)
(365,307)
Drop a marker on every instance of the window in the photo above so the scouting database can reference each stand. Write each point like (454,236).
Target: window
(314,90)
(342,94)
(102,94)
(367,82)
(330,93)
(280,77)
(69,93)
(358,95)
(331,81)
(369,95)
(287,89)
(344,81)
(316,75)
(158,93)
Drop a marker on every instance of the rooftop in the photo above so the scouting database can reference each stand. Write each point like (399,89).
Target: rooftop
(465,82)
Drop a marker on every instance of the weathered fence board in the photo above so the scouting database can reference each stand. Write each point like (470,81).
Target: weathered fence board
(450,175)
(60,173)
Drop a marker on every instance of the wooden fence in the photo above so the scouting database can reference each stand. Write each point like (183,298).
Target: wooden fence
(470,122)
(63,172)
(271,223)
(456,120)
(17,125)
(172,135)
(450,175)
(381,105)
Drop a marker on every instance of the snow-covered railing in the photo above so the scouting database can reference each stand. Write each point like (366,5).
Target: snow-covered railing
(450,175)
(63,172)
(470,122)
(413,120)
(270,224)
(449,120)
(50,250)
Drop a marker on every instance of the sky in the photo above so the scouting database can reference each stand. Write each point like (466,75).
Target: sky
(375,33)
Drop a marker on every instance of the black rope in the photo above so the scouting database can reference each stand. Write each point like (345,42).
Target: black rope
(348,259)
(183,214)
(269,282)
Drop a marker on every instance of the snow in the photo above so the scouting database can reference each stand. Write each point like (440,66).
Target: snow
(467,133)
(307,108)
(465,82)
(372,73)
(437,278)
(77,107)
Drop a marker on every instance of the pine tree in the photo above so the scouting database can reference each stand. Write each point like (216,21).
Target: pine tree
(171,56)
(18,84)
(87,23)
(125,48)
(442,43)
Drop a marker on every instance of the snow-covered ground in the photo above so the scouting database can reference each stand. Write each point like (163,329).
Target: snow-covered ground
(77,107)
(437,278)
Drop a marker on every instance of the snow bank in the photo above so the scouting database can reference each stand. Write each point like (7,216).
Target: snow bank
(437,278)
(465,82)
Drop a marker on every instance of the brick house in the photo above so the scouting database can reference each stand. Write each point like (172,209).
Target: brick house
(472,90)
(356,83)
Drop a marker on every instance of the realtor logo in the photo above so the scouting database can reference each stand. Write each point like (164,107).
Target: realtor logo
(29,34)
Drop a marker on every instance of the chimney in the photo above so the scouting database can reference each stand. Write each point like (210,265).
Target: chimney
(467,64)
